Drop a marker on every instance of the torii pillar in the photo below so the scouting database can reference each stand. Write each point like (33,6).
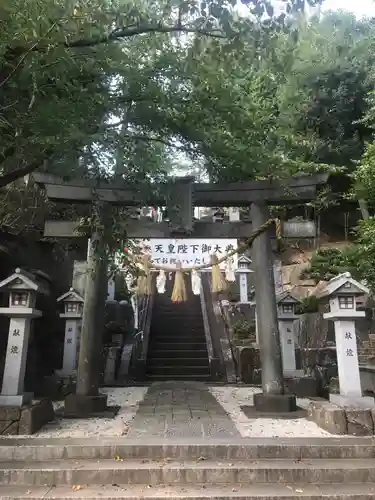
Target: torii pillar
(273,398)
(87,400)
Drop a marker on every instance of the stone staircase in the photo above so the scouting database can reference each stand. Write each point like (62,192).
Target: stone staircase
(246,469)
(177,347)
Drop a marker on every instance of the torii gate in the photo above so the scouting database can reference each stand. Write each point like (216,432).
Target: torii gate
(184,194)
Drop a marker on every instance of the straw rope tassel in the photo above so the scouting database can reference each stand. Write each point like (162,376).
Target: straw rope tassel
(279,237)
(179,293)
(145,279)
(278,229)
(219,283)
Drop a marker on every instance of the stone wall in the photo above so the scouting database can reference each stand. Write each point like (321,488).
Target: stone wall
(321,363)
(342,421)
(312,330)
(26,420)
(366,352)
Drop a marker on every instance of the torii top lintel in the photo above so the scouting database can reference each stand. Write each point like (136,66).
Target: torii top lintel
(294,190)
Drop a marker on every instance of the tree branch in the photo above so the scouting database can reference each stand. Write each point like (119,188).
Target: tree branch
(25,170)
(129,32)
(160,140)
(25,54)
(9,151)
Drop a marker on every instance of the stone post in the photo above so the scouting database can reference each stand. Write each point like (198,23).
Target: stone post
(23,288)
(73,304)
(133,299)
(273,398)
(243,270)
(342,292)
(111,290)
(256,325)
(234,214)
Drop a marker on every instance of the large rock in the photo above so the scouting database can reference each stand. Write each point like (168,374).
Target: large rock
(360,422)
(328,416)
(248,360)
(26,420)
(34,417)
(9,413)
(302,387)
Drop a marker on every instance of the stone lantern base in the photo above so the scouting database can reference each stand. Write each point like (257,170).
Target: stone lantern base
(25,420)
(16,400)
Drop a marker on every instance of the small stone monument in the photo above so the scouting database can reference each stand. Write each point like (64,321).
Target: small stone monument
(286,313)
(23,288)
(129,280)
(73,309)
(342,292)
(243,270)
(234,214)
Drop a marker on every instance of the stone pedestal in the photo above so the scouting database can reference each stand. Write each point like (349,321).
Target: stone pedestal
(348,367)
(26,420)
(84,406)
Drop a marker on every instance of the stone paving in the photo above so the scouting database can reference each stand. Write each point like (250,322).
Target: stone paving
(181,409)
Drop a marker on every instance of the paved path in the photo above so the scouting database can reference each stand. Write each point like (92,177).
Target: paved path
(181,409)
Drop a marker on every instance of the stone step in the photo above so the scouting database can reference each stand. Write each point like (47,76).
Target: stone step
(44,449)
(172,352)
(175,378)
(163,343)
(171,330)
(189,310)
(186,347)
(179,340)
(182,325)
(171,361)
(164,317)
(177,369)
(196,492)
(153,473)
(178,333)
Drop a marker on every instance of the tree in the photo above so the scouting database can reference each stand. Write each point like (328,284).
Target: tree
(68,68)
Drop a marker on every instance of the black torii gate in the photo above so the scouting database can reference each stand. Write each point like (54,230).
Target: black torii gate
(184,194)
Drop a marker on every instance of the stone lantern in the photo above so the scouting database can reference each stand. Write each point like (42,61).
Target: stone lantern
(73,310)
(23,288)
(342,292)
(286,314)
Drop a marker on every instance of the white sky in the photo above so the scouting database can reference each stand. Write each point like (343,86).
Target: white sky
(360,8)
